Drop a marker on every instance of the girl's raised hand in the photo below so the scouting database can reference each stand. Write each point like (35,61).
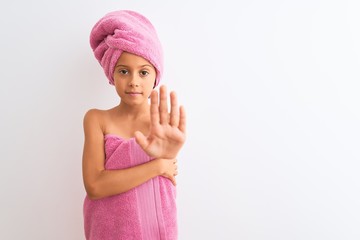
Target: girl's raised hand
(167,133)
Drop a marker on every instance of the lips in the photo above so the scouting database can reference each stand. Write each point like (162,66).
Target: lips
(133,93)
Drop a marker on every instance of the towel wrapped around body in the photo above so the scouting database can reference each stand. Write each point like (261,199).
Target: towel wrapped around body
(147,212)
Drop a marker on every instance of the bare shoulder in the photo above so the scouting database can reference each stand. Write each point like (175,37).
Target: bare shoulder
(93,120)
(93,115)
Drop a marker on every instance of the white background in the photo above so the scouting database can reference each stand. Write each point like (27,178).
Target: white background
(271,90)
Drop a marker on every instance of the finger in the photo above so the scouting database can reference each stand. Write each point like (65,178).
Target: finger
(174,112)
(182,123)
(173,180)
(154,108)
(163,107)
(176,165)
(141,139)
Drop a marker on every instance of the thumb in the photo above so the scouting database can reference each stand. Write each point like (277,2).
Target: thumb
(141,139)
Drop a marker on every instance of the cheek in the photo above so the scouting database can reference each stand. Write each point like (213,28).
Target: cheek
(150,83)
(119,85)
(152,79)
(120,80)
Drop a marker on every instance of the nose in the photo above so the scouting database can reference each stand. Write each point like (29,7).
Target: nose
(134,82)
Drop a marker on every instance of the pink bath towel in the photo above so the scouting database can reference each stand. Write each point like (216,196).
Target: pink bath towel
(147,212)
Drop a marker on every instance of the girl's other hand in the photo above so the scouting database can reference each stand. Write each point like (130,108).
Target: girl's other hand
(168,168)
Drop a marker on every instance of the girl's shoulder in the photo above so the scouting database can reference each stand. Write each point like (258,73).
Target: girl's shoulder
(94,114)
(95,120)
(98,117)
(98,113)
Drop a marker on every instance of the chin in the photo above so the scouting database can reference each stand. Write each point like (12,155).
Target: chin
(135,102)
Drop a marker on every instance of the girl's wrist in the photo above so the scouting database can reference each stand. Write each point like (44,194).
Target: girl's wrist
(157,166)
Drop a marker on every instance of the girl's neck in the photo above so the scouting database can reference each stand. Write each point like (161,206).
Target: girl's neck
(134,112)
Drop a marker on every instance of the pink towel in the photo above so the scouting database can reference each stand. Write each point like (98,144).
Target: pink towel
(127,31)
(147,212)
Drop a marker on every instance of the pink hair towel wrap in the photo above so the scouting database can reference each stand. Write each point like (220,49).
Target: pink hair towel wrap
(125,31)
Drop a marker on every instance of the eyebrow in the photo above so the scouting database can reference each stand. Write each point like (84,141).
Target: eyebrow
(145,65)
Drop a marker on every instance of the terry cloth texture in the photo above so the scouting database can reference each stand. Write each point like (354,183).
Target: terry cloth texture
(147,212)
(127,31)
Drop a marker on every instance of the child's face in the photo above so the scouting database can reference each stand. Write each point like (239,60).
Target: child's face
(134,78)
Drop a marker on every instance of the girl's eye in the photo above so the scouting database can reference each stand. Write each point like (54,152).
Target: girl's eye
(123,71)
(144,73)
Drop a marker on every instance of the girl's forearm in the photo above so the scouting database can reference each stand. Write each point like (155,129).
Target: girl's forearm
(112,182)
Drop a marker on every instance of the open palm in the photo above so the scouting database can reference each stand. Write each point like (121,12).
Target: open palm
(167,132)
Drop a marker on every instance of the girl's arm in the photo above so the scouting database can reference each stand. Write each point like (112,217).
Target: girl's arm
(101,183)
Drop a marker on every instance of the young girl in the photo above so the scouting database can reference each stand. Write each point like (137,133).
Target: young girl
(129,158)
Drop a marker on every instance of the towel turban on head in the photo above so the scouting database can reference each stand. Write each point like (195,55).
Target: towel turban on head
(125,31)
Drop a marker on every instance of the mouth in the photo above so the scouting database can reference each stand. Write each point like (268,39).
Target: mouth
(133,93)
